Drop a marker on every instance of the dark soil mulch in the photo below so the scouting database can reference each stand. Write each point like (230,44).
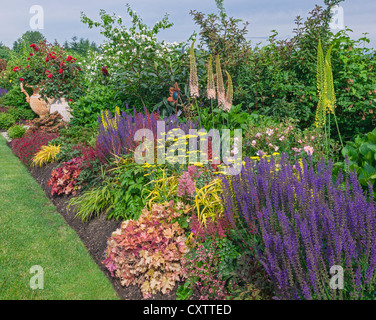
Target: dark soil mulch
(94,234)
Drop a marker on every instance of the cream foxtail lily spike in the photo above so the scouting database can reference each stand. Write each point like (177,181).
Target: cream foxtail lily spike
(210,91)
(221,95)
(193,80)
(229,93)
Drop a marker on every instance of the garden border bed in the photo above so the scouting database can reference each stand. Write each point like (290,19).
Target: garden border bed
(93,233)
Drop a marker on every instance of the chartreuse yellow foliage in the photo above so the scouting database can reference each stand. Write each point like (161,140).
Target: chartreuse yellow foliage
(46,154)
(208,201)
(325,87)
(162,189)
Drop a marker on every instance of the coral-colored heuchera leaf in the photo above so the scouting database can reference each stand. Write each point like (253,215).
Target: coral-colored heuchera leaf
(64,178)
(148,252)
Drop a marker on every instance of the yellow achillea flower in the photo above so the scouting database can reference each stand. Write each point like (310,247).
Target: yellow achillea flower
(197,164)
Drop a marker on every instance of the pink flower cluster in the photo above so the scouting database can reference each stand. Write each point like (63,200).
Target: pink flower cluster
(186,185)
(204,268)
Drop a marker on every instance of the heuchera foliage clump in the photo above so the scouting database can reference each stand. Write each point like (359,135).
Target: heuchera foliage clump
(149,252)
(306,222)
(64,179)
(25,148)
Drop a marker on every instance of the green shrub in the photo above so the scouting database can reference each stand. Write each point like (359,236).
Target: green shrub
(119,196)
(138,63)
(361,157)
(87,108)
(72,136)
(279,79)
(16,131)
(355,85)
(6,121)
(15,98)
(21,113)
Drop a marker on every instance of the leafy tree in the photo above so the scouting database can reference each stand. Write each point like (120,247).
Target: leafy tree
(81,46)
(5,52)
(223,35)
(26,40)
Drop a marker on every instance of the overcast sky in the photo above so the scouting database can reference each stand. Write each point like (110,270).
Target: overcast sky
(62,18)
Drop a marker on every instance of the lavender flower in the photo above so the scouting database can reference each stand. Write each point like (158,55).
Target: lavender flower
(305,223)
(116,132)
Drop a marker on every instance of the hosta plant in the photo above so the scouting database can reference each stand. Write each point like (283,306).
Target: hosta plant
(150,252)
(360,156)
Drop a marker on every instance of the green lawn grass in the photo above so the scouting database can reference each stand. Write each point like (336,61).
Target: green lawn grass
(32,233)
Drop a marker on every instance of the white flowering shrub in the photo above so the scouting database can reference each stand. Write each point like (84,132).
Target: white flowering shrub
(137,64)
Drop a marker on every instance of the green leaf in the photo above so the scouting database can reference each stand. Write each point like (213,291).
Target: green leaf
(368,170)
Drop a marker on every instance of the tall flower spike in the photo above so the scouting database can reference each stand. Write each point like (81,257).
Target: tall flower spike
(211,94)
(104,119)
(229,93)
(116,117)
(221,97)
(325,86)
(320,118)
(331,98)
(193,80)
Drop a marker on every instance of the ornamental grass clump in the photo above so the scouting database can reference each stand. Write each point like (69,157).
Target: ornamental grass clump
(304,223)
(45,155)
